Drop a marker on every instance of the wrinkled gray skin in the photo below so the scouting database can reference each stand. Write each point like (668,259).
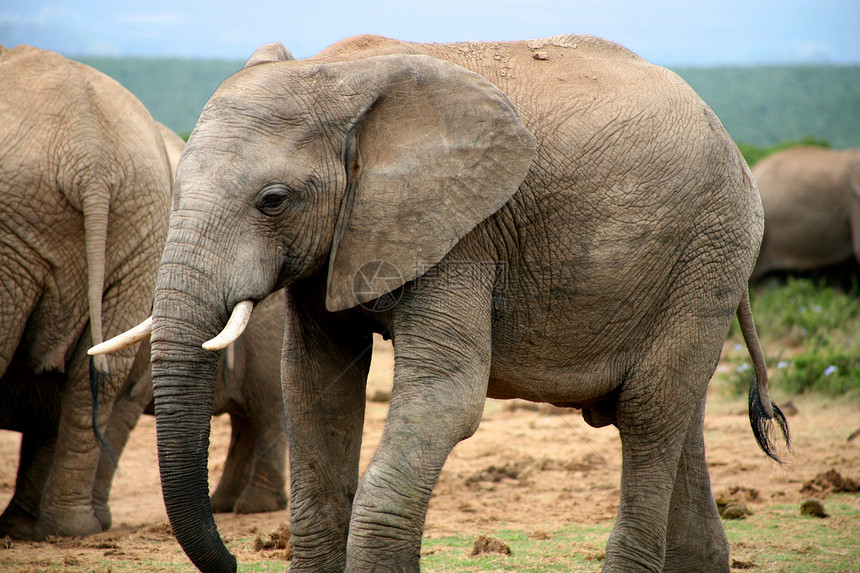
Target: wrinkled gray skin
(570,224)
(84,204)
(811,200)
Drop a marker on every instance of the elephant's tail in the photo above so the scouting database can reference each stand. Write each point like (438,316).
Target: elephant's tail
(761,409)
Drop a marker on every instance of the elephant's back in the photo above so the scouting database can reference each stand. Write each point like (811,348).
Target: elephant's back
(616,136)
(800,169)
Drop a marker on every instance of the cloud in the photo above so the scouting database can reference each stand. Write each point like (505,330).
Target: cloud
(815,53)
(46,16)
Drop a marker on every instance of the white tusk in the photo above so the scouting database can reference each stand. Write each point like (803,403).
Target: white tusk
(231,357)
(235,326)
(124,340)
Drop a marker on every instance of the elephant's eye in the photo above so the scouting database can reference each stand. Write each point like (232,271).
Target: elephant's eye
(273,201)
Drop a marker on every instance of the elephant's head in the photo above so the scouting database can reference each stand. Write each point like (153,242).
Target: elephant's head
(302,168)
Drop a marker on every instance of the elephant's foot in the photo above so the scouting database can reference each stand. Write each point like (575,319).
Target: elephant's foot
(696,541)
(17,523)
(75,522)
(223,501)
(103,514)
(259,500)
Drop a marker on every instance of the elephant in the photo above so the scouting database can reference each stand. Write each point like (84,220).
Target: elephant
(248,389)
(555,220)
(84,211)
(173,144)
(811,199)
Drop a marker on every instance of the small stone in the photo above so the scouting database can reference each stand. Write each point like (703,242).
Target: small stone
(540,56)
(381,396)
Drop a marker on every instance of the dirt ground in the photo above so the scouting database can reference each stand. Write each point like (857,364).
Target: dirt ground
(530,468)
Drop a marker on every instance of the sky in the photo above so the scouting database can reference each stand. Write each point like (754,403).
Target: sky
(665,32)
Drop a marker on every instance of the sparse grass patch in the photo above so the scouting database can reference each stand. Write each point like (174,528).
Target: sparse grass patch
(774,538)
(778,538)
(575,548)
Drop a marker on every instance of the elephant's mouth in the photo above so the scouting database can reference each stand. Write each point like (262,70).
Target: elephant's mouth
(231,332)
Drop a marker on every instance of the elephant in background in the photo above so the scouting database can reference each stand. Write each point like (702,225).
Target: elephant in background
(248,388)
(85,201)
(173,144)
(555,220)
(811,200)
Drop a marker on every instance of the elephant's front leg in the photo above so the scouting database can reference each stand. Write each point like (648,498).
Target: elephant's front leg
(237,466)
(442,365)
(324,376)
(264,491)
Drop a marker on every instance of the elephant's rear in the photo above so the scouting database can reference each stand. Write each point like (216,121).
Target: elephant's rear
(638,201)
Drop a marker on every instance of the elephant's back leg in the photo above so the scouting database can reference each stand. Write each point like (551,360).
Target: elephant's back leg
(20,289)
(31,405)
(659,416)
(695,537)
(67,506)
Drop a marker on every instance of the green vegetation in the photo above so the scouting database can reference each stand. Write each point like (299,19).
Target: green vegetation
(173,90)
(576,548)
(765,105)
(760,106)
(778,538)
(810,333)
(753,153)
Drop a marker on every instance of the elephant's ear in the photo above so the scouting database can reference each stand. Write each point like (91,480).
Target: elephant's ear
(273,52)
(435,149)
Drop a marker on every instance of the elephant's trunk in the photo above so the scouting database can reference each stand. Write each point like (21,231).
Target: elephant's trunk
(183,376)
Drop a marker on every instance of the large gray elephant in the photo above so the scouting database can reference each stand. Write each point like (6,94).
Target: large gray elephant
(811,200)
(84,204)
(555,220)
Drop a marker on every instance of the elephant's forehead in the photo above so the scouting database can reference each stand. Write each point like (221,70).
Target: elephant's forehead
(242,155)
(250,114)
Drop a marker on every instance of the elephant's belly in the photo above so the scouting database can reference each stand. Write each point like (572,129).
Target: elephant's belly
(534,377)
